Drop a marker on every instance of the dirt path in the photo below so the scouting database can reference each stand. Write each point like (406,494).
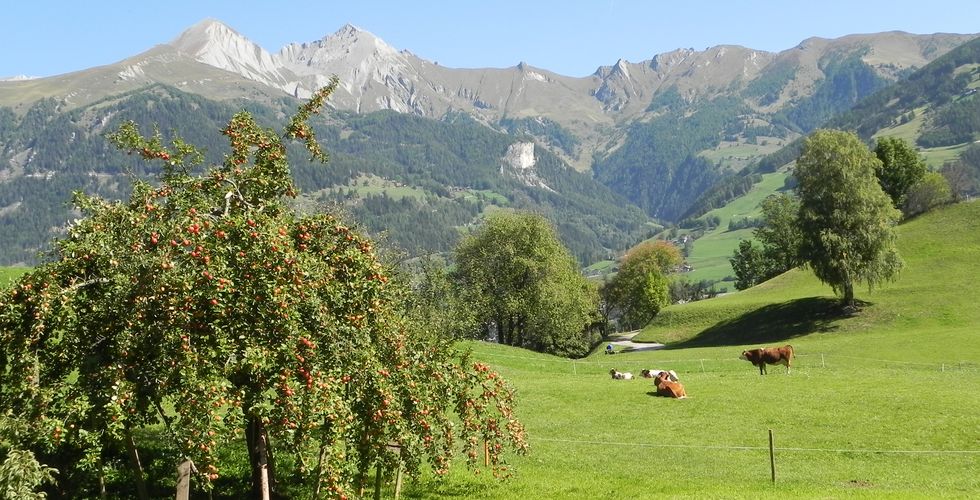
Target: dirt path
(625,342)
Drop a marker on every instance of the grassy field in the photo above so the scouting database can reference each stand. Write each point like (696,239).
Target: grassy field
(712,251)
(369,185)
(909,131)
(738,155)
(9,274)
(937,157)
(884,404)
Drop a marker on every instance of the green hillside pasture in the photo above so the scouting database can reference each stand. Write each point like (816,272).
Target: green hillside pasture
(738,155)
(934,294)
(712,251)
(476,194)
(368,185)
(908,131)
(885,403)
(842,428)
(9,274)
(937,157)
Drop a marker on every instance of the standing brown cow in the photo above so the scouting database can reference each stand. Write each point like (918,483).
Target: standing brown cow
(769,356)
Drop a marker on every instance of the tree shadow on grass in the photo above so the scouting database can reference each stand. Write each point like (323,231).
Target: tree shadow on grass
(773,323)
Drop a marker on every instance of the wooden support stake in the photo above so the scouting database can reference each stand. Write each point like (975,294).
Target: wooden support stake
(398,482)
(134,458)
(772,458)
(702,366)
(184,480)
(377,483)
(823,363)
(486,454)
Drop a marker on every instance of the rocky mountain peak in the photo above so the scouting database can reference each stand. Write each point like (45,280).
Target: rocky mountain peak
(362,61)
(205,33)
(348,31)
(17,78)
(667,60)
(349,43)
(214,43)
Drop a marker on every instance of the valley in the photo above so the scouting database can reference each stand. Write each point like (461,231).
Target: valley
(437,298)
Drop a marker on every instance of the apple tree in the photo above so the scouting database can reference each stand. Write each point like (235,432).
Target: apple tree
(206,306)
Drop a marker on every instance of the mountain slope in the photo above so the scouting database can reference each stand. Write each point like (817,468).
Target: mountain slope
(444,173)
(658,133)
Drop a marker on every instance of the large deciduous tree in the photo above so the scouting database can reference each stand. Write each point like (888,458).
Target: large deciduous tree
(205,302)
(640,288)
(780,233)
(901,168)
(749,265)
(847,221)
(524,286)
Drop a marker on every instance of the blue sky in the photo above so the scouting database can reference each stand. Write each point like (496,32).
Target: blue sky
(570,37)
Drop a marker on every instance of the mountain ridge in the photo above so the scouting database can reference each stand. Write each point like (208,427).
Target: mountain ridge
(657,133)
(595,108)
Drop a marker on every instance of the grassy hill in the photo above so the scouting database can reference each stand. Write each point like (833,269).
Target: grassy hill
(933,294)
(882,404)
(712,250)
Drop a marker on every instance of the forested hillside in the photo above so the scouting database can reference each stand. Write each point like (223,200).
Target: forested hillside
(661,166)
(945,87)
(447,172)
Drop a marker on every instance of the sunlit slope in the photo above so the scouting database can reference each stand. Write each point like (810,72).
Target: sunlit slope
(712,251)
(934,302)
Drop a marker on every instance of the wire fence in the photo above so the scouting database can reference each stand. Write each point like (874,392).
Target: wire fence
(755,448)
(801,361)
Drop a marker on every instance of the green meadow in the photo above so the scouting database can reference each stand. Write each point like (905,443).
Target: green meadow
(9,274)
(880,404)
(712,251)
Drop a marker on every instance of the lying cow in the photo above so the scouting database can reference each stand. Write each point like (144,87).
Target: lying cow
(769,356)
(669,388)
(617,375)
(655,373)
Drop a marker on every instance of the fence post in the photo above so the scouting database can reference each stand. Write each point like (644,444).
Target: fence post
(772,458)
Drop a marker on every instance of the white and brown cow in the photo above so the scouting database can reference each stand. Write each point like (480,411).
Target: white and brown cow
(618,375)
(769,356)
(654,373)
